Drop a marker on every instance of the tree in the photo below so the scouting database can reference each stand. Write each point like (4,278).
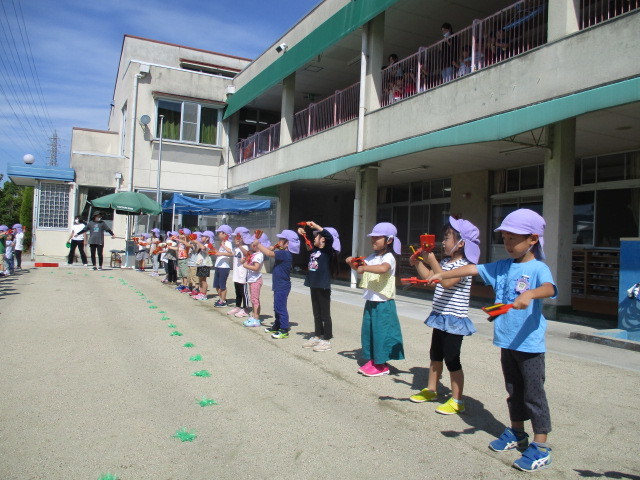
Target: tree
(26,213)
(10,202)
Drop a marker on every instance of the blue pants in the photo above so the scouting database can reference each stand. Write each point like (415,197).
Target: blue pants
(280,308)
(381,334)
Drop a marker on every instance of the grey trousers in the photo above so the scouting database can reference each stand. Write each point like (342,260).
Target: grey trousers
(524,380)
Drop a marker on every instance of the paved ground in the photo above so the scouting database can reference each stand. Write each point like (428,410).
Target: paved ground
(92,382)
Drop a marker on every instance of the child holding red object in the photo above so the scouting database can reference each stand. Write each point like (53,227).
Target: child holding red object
(253,263)
(450,315)
(522,280)
(222,265)
(381,334)
(240,251)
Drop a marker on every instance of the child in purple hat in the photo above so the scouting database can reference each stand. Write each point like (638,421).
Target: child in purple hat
(154,241)
(223,264)
(450,315)
(283,252)
(240,251)
(326,243)
(522,280)
(381,334)
(253,264)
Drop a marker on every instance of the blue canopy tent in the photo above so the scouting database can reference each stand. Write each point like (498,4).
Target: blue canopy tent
(212,206)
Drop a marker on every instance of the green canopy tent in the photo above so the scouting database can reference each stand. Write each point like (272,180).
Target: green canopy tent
(127,203)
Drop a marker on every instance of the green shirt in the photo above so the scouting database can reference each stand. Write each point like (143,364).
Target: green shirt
(2,246)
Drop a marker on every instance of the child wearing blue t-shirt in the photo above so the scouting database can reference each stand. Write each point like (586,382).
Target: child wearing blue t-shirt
(283,251)
(522,280)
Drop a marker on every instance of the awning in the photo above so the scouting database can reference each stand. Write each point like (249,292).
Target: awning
(212,206)
(28,174)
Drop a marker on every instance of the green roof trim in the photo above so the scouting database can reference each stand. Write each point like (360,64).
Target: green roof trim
(495,127)
(350,17)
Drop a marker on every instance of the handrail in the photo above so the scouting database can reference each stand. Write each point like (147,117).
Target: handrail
(259,143)
(593,12)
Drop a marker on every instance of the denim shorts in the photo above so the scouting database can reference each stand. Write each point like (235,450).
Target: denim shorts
(220,278)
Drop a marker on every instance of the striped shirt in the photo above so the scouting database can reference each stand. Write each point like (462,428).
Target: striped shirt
(455,300)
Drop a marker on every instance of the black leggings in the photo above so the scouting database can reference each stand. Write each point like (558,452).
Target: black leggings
(321,306)
(96,248)
(172,273)
(18,254)
(446,346)
(241,295)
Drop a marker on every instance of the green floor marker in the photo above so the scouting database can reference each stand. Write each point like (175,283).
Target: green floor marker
(185,435)
(201,373)
(153,306)
(195,358)
(205,402)
(176,334)
(188,345)
(162,311)
(171,325)
(69,273)
(164,317)
(149,301)
(108,476)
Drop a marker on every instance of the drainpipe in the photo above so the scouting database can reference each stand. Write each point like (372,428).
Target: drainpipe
(359,147)
(134,122)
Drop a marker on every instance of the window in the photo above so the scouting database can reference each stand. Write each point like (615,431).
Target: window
(53,209)
(608,168)
(525,178)
(583,217)
(188,122)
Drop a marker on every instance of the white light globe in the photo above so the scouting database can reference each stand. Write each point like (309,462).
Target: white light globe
(28,159)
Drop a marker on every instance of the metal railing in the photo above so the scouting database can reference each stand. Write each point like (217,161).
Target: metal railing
(593,12)
(509,32)
(259,143)
(339,108)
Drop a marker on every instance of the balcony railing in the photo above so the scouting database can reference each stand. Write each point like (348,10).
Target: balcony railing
(593,12)
(339,108)
(511,31)
(259,143)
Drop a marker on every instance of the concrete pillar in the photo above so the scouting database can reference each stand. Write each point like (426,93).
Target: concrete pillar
(375,61)
(558,211)
(470,200)
(286,110)
(231,127)
(365,210)
(563,18)
(282,211)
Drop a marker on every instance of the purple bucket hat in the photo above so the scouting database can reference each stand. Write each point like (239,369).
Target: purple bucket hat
(209,234)
(292,238)
(240,230)
(17,227)
(249,239)
(186,231)
(470,234)
(3,228)
(145,235)
(526,222)
(336,238)
(225,229)
(156,231)
(386,229)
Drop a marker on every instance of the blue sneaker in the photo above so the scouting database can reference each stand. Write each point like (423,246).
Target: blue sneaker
(508,441)
(534,458)
(220,304)
(180,287)
(251,322)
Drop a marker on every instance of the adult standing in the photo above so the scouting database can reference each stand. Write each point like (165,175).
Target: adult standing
(77,241)
(96,229)
(19,229)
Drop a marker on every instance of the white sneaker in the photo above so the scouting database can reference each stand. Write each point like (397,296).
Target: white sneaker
(241,313)
(312,342)
(233,311)
(322,346)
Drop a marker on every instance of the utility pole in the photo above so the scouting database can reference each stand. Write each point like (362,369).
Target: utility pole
(53,150)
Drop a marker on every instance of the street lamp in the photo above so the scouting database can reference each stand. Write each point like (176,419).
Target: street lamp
(29,159)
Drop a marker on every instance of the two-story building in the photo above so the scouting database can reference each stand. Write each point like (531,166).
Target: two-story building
(491,106)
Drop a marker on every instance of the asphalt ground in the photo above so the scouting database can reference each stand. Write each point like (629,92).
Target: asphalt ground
(93,382)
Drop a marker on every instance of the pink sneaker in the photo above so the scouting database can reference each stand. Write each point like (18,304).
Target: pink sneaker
(366,367)
(241,313)
(376,370)
(233,311)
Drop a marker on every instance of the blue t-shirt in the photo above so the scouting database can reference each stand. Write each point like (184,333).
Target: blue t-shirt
(281,274)
(521,330)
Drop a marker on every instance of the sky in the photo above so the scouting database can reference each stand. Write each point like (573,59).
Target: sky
(58,59)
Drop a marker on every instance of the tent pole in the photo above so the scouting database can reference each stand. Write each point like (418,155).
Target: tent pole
(173,218)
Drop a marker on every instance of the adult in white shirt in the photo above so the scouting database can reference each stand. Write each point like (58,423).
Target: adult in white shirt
(77,240)
(19,238)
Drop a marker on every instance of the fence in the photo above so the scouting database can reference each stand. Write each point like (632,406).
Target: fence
(339,108)
(509,32)
(593,12)
(259,143)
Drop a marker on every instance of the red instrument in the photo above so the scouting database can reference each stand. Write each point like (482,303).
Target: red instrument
(307,230)
(211,249)
(427,244)
(497,309)
(193,236)
(357,261)
(417,281)
(258,234)
(239,237)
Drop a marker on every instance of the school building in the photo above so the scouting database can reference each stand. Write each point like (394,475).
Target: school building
(529,104)
(405,111)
